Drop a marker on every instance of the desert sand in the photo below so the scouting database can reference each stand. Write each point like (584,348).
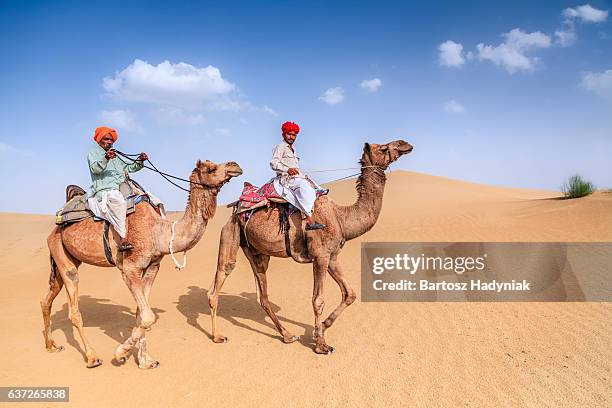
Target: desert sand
(387,354)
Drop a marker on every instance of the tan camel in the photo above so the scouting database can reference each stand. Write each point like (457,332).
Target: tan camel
(321,247)
(150,235)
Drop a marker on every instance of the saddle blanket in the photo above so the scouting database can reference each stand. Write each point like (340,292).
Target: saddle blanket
(254,197)
(77,209)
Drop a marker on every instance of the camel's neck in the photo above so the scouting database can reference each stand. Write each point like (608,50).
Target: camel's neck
(359,218)
(201,206)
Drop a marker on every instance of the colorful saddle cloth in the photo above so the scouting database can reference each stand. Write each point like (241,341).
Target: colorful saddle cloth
(254,197)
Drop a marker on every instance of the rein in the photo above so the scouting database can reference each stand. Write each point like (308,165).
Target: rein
(348,168)
(166,176)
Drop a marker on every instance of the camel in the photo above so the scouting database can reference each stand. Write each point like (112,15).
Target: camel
(260,238)
(151,235)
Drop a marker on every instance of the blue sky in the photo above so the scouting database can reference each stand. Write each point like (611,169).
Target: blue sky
(514,94)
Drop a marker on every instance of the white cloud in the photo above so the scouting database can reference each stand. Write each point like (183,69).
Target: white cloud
(333,96)
(371,85)
(567,35)
(177,116)
(6,148)
(120,119)
(269,110)
(586,13)
(598,82)
(453,106)
(180,85)
(512,53)
(451,54)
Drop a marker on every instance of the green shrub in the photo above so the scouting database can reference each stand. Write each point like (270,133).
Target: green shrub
(576,187)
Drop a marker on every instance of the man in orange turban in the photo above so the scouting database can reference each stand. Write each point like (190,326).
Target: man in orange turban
(290,183)
(107,173)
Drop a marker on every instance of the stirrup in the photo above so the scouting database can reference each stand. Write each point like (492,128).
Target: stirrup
(315,226)
(125,247)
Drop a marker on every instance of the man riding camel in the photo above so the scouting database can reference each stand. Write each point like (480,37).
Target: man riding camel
(107,173)
(290,183)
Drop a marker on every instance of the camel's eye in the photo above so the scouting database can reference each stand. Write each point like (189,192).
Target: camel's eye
(384,148)
(211,169)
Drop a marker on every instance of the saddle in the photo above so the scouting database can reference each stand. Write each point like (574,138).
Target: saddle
(254,198)
(77,209)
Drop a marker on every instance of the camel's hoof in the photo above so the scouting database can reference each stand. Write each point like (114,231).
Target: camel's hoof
(327,350)
(148,366)
(220,339)
(95,363)
(56,349)
(291,339)
(122,354)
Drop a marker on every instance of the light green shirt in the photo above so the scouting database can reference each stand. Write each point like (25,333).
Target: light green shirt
(108,174)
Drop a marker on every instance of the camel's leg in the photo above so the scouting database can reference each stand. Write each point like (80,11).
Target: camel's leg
(71,281)
(348,294)
(320,266)
(147,280)
(55,286)
(259,264)
(226,262)
(67,266)
(132,277)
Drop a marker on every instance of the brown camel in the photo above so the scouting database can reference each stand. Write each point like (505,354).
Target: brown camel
(82,242)
(261,239)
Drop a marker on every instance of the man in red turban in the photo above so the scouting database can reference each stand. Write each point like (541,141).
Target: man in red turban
(107,173)
(290,183)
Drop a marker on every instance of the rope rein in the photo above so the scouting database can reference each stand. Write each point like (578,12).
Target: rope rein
(177,266)
(345,168)
(166,176)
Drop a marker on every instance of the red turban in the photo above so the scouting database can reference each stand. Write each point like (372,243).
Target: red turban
(290,127)
(103,131)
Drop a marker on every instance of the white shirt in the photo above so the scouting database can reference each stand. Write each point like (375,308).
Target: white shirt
(283,158)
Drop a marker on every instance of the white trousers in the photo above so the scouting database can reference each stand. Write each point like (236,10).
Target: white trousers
(111,206)
(298,191)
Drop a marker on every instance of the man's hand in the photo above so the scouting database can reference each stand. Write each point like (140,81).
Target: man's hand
(143,156)
(293,171)
(110,154)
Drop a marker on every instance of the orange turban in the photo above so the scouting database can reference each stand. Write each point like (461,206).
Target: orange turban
(103,131)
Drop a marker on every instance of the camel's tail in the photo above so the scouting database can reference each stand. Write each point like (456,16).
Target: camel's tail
(54,271)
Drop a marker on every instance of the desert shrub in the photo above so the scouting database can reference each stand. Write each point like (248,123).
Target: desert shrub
(576,187)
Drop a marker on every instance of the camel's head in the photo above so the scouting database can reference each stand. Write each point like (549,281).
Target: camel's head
(215,175)
(384,154)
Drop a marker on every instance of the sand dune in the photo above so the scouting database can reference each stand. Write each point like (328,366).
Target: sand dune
(408,354)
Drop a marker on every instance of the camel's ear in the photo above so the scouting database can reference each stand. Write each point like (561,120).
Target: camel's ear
(198,163)
(366,147)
